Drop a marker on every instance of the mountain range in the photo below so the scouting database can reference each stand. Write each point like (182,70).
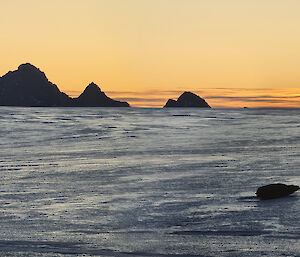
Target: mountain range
(28,86)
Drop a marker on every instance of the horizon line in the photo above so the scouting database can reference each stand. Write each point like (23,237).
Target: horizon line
(219,97)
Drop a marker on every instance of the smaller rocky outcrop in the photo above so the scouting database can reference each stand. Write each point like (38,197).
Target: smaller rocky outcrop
(188,99)
(92,96)
(273,191)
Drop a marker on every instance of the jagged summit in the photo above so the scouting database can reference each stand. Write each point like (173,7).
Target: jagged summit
(28,86)
(28,66)
(188,99)
(92,87)
(32,72)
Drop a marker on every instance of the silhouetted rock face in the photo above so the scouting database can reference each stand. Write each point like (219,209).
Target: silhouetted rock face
(92,96)
(28,86)
(275,191)
(188,99)
(171,103)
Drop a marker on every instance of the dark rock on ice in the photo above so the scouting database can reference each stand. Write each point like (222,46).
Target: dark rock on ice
(273,191)
(28,86)
(188,99)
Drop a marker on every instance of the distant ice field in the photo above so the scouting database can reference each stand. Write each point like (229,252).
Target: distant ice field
(147,182)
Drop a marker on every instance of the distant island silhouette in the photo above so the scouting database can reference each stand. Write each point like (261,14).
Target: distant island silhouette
(187,99)
(29,87)
(92,96)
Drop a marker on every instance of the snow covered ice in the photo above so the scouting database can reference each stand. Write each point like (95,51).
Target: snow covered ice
(147,182)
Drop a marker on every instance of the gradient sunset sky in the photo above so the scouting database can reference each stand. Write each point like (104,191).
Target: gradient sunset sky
(233,53)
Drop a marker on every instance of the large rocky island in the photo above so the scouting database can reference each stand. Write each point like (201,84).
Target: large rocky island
(28,86)
(187,99)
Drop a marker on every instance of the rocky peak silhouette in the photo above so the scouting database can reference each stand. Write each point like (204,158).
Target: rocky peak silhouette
(92,88)
(93,96)
(187,99)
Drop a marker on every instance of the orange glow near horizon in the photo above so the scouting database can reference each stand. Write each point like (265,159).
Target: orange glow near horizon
(232,53)
(216,98)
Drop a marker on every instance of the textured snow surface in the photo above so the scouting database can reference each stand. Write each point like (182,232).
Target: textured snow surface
(147,182)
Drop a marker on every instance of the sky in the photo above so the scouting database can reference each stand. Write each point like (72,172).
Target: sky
(233,53)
